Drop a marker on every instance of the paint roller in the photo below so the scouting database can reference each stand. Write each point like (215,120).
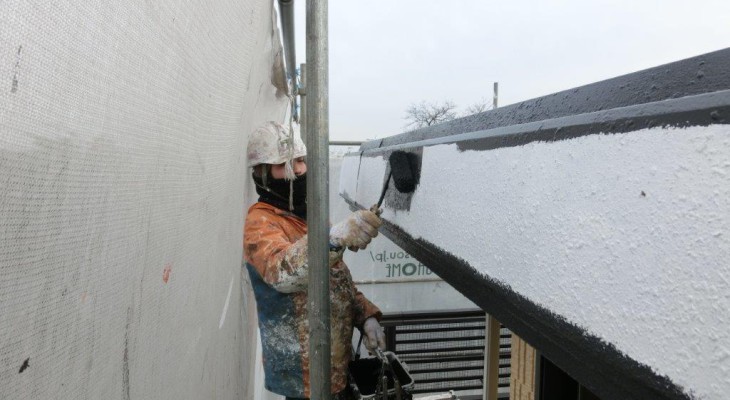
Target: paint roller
(402,172)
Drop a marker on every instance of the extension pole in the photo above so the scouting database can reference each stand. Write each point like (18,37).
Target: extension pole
(317,118)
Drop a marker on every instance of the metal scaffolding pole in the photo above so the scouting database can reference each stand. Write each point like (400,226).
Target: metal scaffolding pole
(286,14)
(317,119)
(346,143)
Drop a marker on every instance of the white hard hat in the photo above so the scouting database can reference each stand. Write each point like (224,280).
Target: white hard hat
(271,143)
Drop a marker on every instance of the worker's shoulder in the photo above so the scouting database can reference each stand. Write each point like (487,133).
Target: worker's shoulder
(261,218)
(260,209)
(261,206)
(265,211)
(264,219)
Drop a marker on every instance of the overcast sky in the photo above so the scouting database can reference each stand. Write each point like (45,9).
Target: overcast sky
(388,54)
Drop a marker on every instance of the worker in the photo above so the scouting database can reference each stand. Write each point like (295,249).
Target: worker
(275,251)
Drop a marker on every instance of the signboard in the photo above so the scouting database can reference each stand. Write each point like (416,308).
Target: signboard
(386,274)
(384,262)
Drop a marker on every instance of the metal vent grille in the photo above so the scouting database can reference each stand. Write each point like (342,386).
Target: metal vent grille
(445,351)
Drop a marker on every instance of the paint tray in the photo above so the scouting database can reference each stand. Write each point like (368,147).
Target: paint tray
(365,374)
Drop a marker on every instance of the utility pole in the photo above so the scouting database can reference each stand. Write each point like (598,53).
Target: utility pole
(492,331)
(317,131)
(496,95)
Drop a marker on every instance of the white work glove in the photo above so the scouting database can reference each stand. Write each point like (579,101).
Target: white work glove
(374,335)
(356,231)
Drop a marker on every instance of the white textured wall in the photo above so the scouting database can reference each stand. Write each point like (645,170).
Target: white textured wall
(624,235)
(122,167)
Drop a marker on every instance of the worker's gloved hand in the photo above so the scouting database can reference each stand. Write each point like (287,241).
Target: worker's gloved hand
(356,231)
(374,335)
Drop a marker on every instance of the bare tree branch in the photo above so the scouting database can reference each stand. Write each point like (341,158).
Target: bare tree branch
(478,107)
(427,114)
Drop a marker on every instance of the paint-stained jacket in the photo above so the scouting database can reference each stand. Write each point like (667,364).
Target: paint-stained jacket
(275,251)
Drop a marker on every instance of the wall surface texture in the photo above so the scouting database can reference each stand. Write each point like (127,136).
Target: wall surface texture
(626,236)
(122,187)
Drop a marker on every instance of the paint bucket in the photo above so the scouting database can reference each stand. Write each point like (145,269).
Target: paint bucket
(365,374)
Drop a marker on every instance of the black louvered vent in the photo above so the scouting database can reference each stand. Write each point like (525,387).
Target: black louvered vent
(445,351)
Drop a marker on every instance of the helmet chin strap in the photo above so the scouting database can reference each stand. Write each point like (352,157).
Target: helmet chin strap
(265,186)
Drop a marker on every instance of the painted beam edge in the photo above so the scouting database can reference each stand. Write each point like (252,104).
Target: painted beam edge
(699,110)
(596,364)
(696,75)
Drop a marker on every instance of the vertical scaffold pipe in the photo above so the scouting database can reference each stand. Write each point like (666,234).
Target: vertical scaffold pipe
(286,15)
(317,130)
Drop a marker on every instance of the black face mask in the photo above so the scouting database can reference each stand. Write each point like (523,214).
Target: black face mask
(278,194)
